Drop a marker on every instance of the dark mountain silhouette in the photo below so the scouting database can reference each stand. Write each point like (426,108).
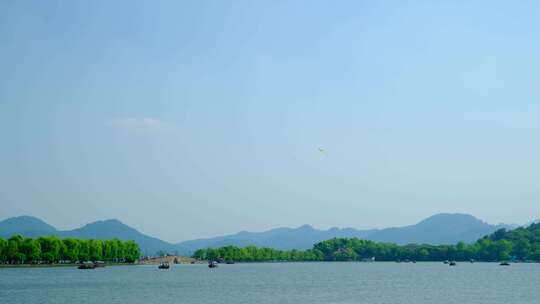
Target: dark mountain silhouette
(437,229)
(33,227)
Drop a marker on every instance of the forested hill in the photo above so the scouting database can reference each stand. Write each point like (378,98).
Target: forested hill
(28,226)
(519,244)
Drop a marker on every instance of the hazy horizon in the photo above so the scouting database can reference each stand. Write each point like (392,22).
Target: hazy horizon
(189,119)
(260,230)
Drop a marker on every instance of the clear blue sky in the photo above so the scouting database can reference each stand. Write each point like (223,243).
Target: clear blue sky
(188,119)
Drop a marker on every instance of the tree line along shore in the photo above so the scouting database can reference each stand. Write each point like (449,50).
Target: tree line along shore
(49,250)
(521,244)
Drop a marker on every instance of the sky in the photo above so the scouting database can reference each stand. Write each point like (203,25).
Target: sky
(188,119)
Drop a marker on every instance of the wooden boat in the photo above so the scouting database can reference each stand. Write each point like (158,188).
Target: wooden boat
(164,265)
(99,264)
(452,263)
(504,264)
(212,264)
(87,266)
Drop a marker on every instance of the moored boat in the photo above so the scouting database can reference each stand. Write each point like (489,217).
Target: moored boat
(99,264)
(212,264)
(504,264)
(87,266)
(164,265)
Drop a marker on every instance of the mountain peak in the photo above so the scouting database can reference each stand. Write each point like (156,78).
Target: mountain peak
(26,225)
(306,227)
(442,218)
(110,224)
(24,219)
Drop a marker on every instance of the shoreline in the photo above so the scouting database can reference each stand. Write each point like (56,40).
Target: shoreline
(261,262)
(58,265)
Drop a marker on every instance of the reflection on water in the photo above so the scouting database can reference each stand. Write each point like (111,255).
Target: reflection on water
(276,283)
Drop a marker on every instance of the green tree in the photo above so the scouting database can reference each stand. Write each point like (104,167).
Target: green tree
(522,248)
(200,254)
(133,252)
(502,249)
(12,250)
(31,249)
(72,249)
(51,247)
(95,250)
(3,254)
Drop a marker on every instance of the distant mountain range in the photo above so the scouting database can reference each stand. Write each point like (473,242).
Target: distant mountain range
(438,229)
(33,227)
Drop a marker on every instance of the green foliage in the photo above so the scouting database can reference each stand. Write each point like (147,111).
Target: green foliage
(95,250)
(3,246)
(254,254)
(132,251)
(19,250)
(31,249)
(518,244)
(50,247)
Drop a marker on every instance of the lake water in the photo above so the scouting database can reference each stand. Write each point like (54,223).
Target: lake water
(296,283)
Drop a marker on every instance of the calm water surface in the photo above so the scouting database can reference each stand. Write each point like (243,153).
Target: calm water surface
(276,283)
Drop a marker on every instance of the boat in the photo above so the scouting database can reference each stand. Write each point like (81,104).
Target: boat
(229,262)
(446,262)
(87,266)
(99,264)
(164,265)
(471,260)
(212,264)
(504,264)
(452,263)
